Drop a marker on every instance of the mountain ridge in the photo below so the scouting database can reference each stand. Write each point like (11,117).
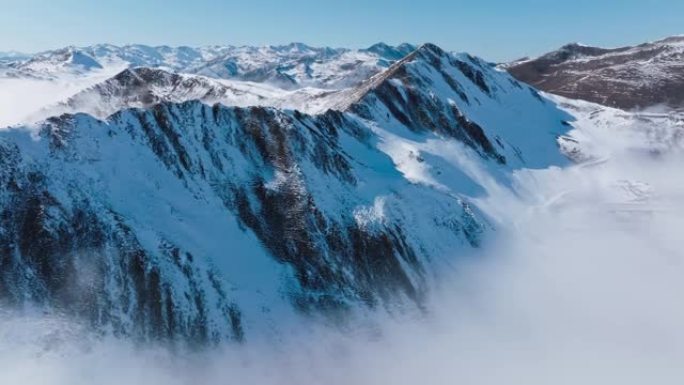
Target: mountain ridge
(633,77)
(191,220)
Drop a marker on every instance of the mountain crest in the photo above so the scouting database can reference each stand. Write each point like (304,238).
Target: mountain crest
(627,77)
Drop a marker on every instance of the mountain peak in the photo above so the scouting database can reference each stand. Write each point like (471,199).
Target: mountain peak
(573,51)
(406,71)
(430,47)
(391,52)
(133,75)
(83,60)
(294,47)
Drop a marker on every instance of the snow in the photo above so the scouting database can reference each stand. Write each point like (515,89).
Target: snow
(548,305)
(32,89)
(290,67)
(440,191)
(113,169)
(544,299)
(599,132)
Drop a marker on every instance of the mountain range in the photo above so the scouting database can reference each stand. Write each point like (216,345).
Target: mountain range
(291,66)
(212,194)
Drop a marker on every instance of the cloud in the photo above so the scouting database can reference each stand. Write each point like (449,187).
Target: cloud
(24,100)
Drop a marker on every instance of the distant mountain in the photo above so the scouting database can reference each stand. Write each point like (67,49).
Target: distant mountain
(289,67)
(143,87)
(13,55)
(628,78)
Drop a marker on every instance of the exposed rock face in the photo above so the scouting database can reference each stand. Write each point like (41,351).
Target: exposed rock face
(627,78)
(184,221)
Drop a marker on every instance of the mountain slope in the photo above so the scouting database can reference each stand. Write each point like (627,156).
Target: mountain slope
(466,99)
(149,189)
(194,222)
(627,78)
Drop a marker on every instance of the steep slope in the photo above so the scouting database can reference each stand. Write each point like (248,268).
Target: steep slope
(627,78)
(186,221)
(466,100)
(146,208)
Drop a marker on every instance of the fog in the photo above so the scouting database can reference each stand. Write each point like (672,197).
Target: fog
(584,285)
(23,100)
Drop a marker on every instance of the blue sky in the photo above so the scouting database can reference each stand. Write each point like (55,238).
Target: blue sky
(493,29)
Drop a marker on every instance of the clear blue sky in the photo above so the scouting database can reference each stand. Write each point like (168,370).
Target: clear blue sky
(493,29)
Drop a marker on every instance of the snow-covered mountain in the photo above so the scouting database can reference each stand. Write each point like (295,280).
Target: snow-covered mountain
(159,204)
(144,87)
(630,77)
(290,67)
(13,56)
(298,65)
(291,76)
(10,58)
